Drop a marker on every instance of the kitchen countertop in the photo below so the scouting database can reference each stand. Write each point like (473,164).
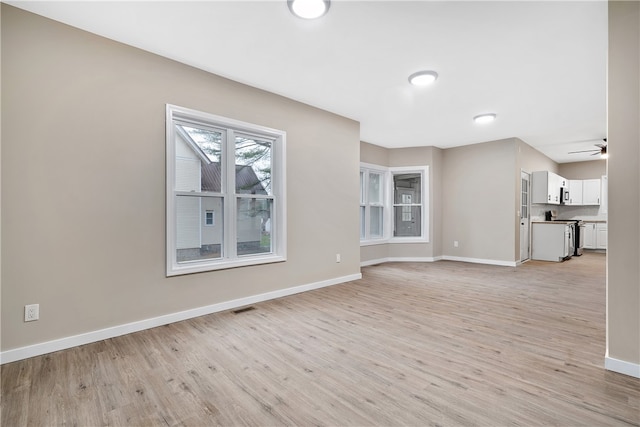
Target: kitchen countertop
(597,221)
(552,222)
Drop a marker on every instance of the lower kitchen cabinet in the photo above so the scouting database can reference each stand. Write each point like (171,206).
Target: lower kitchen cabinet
(595,235)
(551,240)
(601,235)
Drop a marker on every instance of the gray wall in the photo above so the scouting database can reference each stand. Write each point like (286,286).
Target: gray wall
(623,277)
(83,183)
(478,188)
(584,170)
(531,160)
(374,154)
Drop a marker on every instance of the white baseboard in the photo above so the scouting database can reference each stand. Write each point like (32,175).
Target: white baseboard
(438,258)
(115,331)
(481,261)
(622,367)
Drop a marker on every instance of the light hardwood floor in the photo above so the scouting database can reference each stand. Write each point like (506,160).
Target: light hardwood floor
(443,343)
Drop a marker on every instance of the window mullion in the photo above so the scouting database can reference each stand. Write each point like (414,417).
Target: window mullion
(230,202)
(365,201)
(388,205)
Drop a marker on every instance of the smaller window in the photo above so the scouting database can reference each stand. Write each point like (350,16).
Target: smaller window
(210,218)
(372,204)
(408,205)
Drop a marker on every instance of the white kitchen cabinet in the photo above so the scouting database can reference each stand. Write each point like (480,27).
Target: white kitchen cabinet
(595,235)
(589,241)
(551,240)
(575,192)
(591,192)
(563,182)
(604,195)
(545,187)
(601,235)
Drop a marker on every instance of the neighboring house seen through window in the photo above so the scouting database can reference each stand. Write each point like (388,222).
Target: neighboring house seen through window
(225,193)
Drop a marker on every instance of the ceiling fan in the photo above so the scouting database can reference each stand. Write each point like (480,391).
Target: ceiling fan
(602,150)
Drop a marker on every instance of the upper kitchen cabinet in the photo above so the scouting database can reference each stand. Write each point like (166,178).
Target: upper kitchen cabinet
(591,194)
(575,192)
(545,187)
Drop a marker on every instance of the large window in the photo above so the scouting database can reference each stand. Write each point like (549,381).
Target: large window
(225,193)
(393,204)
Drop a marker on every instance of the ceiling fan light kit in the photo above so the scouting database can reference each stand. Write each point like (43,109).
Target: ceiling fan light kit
(603,153)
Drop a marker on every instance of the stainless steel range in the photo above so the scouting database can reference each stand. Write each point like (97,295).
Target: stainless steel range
(578,235)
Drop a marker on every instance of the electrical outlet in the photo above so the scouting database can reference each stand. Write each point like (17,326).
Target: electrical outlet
(338,258)
(455,243)
(31,312)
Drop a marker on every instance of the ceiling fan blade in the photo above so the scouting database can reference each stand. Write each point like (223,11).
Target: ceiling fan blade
(584,151)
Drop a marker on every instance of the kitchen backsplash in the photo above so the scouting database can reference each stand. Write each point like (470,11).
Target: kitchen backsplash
(586,213)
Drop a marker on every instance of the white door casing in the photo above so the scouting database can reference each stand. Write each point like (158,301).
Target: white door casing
(525,221)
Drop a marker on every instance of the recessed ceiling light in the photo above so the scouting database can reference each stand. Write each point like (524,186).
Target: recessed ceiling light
(485,118)
(423,78)
(308,9)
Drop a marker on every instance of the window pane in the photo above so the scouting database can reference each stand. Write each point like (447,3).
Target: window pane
(408,221)
(198,166)
(407,188)
(253,165)
(195,238)
(362,223)
(207,140)
(375,188)
(254,226)
(362,188)
(375,220)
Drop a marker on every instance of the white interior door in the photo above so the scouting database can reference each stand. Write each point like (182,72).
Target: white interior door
(525,222)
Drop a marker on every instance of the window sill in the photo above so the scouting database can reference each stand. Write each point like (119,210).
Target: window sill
(199,267)
(373,242)
(408,240)
(393,240)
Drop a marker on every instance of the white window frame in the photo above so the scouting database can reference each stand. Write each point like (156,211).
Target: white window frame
(364,203)
(424,203)
(213,218)
(388,209)
(230,258)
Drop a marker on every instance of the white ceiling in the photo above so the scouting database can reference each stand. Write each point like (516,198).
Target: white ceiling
(541,66)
